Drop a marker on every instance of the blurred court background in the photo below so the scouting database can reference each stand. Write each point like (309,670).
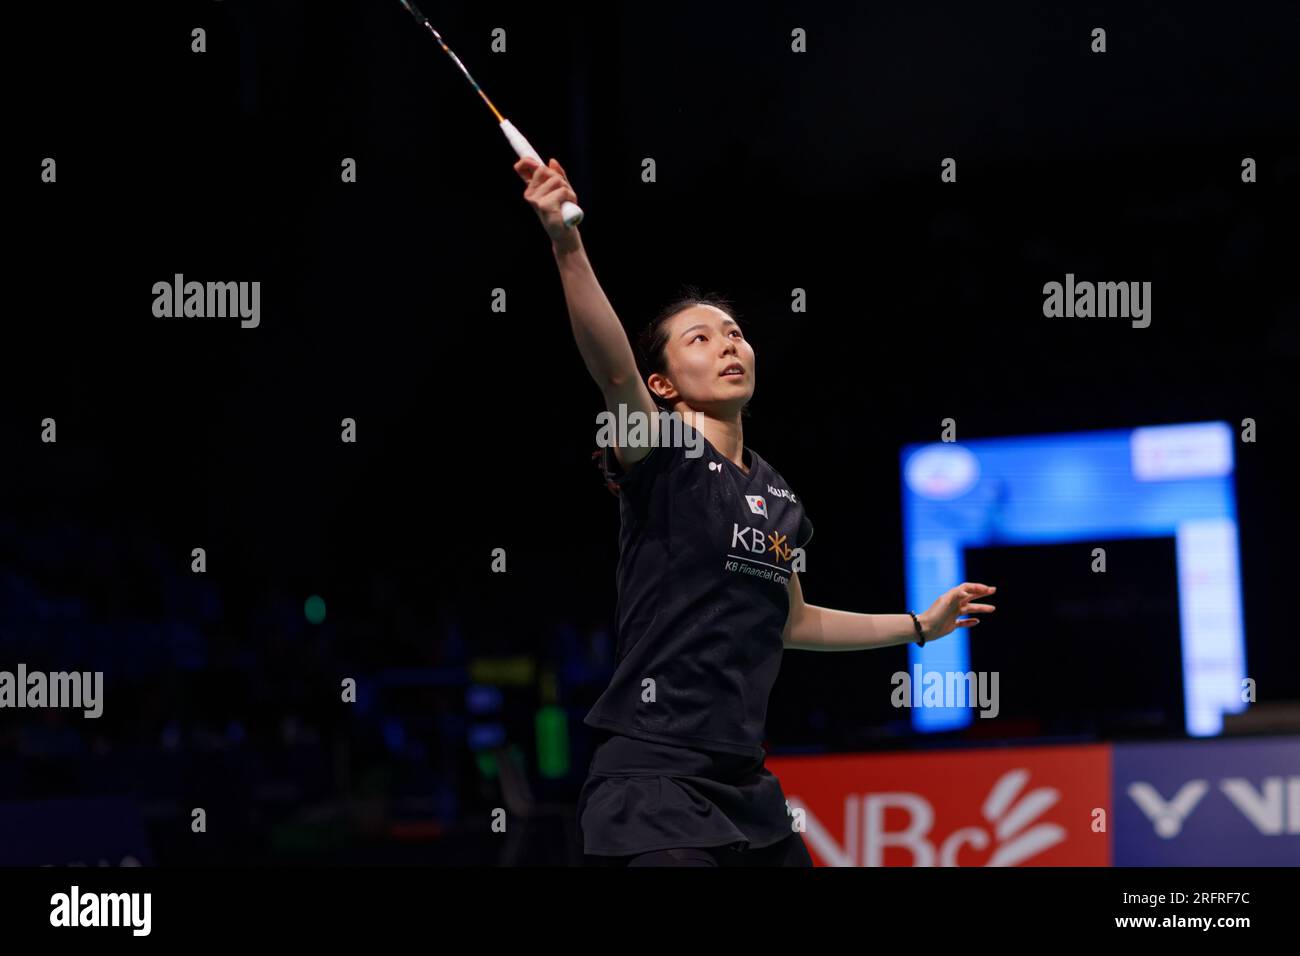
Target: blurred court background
(775,171)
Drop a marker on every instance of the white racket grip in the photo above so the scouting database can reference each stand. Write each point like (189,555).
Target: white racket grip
(571,212)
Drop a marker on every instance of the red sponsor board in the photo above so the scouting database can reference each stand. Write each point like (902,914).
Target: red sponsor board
(1024,806)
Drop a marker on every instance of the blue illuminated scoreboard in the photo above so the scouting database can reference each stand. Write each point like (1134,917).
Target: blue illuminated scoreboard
(1161,481)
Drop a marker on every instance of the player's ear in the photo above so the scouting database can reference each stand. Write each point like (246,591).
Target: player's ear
(654,382)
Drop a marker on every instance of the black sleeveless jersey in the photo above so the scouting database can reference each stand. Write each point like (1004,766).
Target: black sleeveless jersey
(705,556)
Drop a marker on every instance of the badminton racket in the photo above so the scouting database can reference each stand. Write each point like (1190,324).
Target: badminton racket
(571,212)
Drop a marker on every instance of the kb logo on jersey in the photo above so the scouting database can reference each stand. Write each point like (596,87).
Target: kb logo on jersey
(757,504)
(753,541)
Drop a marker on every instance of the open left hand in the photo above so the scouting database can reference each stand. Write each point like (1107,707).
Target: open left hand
(941,618)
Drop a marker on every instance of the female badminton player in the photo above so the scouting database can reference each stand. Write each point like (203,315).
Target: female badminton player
(707,596)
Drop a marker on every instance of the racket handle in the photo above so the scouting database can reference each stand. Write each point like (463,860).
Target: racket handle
(571,212)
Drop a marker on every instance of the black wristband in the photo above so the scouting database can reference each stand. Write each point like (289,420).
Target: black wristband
(919,633)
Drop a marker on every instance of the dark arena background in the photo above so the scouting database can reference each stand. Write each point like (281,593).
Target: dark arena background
(346,567)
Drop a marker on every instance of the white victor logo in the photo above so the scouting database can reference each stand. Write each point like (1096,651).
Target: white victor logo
(1009,816)
(1270,810)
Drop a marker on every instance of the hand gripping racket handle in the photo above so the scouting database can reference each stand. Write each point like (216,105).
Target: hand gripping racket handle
(571,212)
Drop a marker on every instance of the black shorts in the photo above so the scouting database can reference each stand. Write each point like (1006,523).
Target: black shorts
(790,851)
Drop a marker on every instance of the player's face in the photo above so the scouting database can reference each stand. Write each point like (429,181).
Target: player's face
(709,361)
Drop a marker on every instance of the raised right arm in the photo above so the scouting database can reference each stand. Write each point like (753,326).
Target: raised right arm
(599,334)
